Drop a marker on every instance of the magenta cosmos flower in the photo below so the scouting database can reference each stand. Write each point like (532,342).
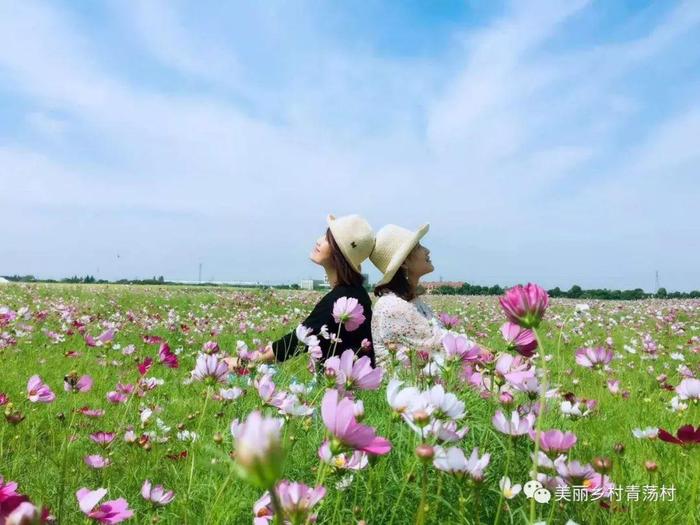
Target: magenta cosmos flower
(167,357)
(525,305)
(686,435)
(339,418)
(351,373)
(209,367)
(555,442)
(520,339)
(594,357)
(109,512)
(38,391)
(349,311)
(156,495)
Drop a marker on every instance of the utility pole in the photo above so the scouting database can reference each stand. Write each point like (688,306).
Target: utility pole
(657,281)
(200,273)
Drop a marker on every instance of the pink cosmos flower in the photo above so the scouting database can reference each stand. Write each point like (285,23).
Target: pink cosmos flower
(102,438)
(349,311)
(513,369)
(454,461)
(167,357)
(259,451)
(116,397)
(268,391)
(109,512)
(525,305)
(447,320)
(71,383)
(262,510)
(156,495)
(297,499)
(38,391)
(520,339)
(555,442)
(20,511)
(356,460)
(208,367)
(211,347)
(577,475)
(689,388)
(102,339)
(91,412)
(339,418)
(594,357)
(3,399)
(97,461)
(152,339)
(7,490)
(459,347)
(515,426)
(349,372)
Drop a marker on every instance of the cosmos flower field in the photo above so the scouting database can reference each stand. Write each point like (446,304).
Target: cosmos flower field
(119,407)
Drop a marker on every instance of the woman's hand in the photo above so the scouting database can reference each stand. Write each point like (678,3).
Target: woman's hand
(266,356)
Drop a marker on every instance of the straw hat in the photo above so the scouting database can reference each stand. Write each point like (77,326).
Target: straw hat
(354,236)
(393,245)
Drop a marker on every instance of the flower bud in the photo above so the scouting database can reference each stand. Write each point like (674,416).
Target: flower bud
(425,452)
(650,466)
(619,448)
(218,438)
(602,465)
(421,418)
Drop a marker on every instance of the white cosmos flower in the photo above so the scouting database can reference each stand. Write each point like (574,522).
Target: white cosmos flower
(646,433)
(509,491)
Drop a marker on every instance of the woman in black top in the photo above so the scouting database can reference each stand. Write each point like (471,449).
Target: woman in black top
(347,242)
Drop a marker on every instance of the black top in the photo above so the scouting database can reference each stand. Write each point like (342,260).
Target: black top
(322,313)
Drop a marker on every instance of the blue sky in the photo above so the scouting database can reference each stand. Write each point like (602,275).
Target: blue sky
(547,141)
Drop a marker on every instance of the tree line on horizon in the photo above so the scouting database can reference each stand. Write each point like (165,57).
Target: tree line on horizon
(575,292)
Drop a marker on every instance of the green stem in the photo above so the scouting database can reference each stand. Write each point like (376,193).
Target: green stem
(276,505)
(500,500)
(403,488)
(420,515)
(477,502)
(538,422)
(198,436)
(64,464)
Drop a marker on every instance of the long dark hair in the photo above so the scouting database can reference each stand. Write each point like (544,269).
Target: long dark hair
(398,285)
(346,274)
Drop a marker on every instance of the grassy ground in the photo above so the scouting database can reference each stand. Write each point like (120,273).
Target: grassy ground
(49,469)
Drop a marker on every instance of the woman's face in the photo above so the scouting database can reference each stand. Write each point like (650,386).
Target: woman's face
(321,254)
(418,262)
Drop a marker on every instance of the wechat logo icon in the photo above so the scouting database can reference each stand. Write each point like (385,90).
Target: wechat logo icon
(535,489)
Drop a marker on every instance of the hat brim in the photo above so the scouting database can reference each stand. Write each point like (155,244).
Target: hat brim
(331,221)
(401,254)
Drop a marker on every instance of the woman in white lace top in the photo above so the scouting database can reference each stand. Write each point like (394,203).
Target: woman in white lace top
(400,317)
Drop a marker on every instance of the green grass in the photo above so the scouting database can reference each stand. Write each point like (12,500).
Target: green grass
(35,452)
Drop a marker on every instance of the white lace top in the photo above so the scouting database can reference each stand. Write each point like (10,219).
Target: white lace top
(412,324)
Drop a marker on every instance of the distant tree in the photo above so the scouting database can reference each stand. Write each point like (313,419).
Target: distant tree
(161,280)
(661,293)
(575,292)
